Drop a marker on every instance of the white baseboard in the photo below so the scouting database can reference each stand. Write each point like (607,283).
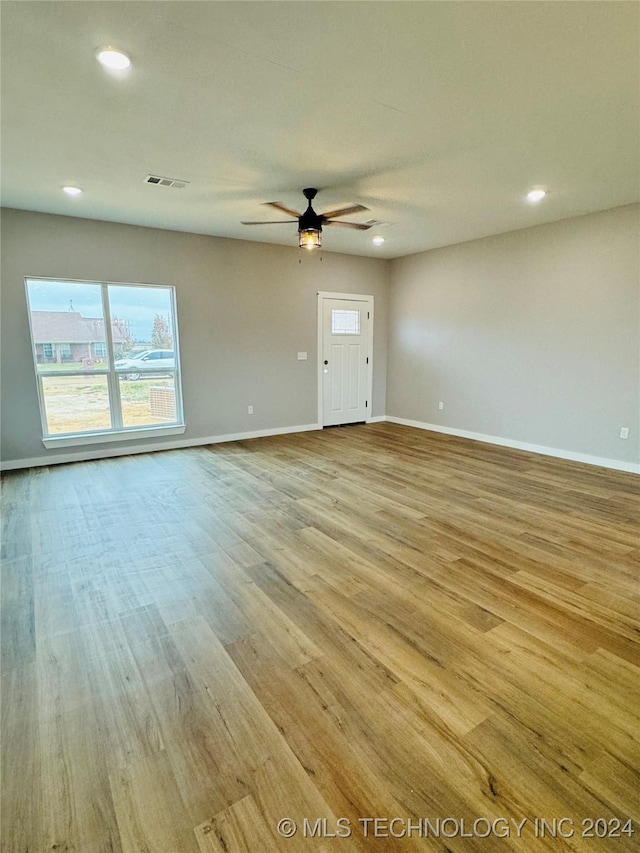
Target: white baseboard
(85,455)
(603,462)
(94,453)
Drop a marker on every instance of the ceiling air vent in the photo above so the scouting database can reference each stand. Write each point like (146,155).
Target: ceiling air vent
(158,181)
(377,222)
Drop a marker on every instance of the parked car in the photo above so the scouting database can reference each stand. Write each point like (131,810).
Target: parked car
(148,363)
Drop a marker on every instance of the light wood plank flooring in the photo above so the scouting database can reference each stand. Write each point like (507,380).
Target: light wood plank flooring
(356,623)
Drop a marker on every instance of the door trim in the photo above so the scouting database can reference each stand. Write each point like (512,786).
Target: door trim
(352,297)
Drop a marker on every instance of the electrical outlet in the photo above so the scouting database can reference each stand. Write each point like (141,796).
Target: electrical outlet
(249,410)
(302,356)
(624,432)
(441,405)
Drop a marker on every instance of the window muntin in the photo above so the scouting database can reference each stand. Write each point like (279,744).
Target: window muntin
(83,383)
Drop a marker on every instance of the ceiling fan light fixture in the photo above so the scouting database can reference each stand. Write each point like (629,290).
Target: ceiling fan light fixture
(310,238)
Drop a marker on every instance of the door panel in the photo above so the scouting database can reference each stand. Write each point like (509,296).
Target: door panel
(353,377)
(335,377)
(345,344)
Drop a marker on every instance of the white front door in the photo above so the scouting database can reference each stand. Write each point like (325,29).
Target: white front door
(345,361)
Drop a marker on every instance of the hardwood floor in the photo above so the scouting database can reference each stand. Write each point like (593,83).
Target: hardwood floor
(371,622)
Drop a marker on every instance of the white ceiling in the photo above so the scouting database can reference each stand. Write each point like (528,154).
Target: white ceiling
(438,116)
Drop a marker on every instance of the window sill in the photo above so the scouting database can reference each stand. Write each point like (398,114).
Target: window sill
(104,437)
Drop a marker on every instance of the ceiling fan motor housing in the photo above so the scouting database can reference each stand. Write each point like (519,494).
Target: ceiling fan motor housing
(310,220)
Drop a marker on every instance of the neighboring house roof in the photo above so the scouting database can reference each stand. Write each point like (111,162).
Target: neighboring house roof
(70,327)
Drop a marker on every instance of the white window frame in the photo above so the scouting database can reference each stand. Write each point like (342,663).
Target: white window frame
(118,432)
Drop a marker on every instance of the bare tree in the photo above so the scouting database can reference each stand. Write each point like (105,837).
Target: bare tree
(126,338)
(160,334)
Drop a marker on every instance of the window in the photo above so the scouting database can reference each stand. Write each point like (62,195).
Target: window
(345,322)
(116,370)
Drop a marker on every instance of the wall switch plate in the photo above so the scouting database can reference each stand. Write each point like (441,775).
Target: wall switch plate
(624,432)
(249,410)
(302,356)
(441,405)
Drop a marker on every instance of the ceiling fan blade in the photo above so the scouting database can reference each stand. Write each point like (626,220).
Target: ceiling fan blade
(273,222)
(344,211)
(356,225)
(279,206)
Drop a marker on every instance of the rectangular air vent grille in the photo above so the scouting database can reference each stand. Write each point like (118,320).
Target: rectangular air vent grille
(378,222)
(159,181)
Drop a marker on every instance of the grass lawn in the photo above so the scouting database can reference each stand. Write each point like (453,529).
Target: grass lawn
(67,365)
(81,403)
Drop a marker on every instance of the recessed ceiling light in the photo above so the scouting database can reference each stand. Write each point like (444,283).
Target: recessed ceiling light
(72,190)
(378,241)
(112,58)
(536,195)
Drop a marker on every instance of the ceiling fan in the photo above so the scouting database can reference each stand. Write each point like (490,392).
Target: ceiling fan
(310,223)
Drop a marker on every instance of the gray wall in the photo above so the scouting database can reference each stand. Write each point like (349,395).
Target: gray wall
(244,311)
(531,336)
